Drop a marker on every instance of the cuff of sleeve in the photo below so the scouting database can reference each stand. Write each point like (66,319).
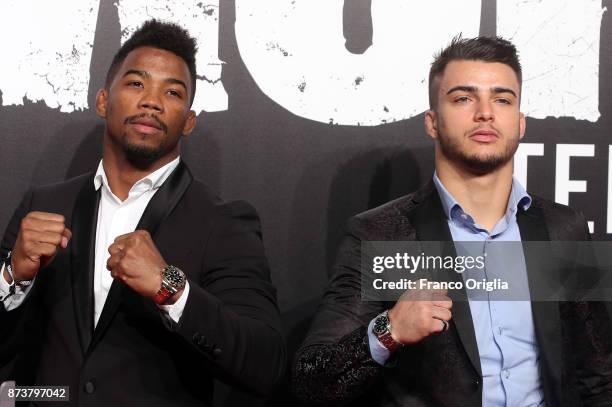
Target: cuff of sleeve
(379,353)
(13,301)
(175,311)
(4,286)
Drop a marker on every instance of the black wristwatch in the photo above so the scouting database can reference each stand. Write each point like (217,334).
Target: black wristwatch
(173,280)
(382,330)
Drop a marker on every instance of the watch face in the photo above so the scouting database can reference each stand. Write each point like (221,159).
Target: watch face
(174,277)
(380,324)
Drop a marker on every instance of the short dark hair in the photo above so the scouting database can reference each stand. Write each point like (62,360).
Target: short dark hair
(487,49)
(162,35)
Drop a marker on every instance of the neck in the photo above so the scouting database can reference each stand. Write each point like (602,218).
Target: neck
(483,196)
(122,174)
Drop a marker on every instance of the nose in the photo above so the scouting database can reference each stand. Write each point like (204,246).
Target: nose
(150,100)
(484,111)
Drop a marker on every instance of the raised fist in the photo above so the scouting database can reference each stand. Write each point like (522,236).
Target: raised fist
(41,235)
(418,314)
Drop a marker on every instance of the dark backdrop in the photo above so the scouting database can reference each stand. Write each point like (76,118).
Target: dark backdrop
(304,177)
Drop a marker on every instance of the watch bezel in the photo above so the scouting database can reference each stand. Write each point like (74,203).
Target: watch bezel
(173,279)
(382,331)
(381,324)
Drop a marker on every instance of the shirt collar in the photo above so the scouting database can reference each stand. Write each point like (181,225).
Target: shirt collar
(152,181)
(519,199)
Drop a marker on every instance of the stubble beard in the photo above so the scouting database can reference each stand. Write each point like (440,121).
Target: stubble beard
(143,156)
(140,156)
(478,164)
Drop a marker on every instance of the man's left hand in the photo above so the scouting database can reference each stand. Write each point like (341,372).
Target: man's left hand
(135,260)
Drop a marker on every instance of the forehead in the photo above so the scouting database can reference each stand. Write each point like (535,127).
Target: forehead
(479,74)
(159,63)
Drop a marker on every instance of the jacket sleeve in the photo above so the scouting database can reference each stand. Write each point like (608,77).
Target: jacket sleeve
(231,316)
(586,325)
(334,365)
(590,342)
(14,323)
(590,348)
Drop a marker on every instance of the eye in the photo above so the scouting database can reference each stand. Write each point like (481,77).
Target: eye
(504,101)
(462,99)
(174,93)
(136,84)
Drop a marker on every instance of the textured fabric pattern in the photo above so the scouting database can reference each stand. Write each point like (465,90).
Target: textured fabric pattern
(334,366)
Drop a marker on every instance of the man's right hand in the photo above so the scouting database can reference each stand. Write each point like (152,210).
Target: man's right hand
(418,314)
(40,236)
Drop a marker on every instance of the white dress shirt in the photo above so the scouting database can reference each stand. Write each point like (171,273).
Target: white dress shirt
(115,218)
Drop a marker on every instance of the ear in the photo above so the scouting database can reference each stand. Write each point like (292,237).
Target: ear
(189,123)
(522,125)
(101,100)
(431,124)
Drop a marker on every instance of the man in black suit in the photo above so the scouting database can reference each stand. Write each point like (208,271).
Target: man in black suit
(136,285)
(441,348)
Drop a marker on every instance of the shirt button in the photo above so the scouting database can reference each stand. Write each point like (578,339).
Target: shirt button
(499,329)
(89,387)
(507,373)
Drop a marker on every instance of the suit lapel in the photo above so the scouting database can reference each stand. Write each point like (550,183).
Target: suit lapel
(546,317)
(430,223)
(84,220)
(159,208)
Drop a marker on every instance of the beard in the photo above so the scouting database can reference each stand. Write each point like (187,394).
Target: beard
(142,157)
(479,164)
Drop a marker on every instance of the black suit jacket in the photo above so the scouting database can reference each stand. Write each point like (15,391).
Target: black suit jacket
(334,364)
(230,327)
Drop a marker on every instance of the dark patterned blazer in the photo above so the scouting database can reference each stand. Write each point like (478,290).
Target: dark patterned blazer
(334,365)
(229,330)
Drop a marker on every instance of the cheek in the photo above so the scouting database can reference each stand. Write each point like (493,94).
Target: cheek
(116,106)
(511,125)
(449,124)
(178,118)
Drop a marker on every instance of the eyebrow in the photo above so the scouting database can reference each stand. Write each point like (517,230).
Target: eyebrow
(175,81)
(146,74)
(474,89)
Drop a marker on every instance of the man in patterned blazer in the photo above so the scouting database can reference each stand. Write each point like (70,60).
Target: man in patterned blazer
(455,349)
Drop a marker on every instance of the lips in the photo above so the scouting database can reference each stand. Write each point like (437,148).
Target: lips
(484,136)
(146,125)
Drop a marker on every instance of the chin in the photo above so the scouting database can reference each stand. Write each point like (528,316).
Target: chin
(485,164)
(142,156)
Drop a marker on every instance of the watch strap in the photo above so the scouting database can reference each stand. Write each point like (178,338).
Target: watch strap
(170,284)
(162,295)
(385,337)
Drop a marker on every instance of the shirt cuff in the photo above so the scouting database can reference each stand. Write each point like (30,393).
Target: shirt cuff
(4,286)
(12,301)
(175,311)
(379,353)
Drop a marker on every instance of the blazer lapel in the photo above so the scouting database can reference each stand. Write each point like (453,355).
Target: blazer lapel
(159,208)
(430,223)
(546,316)
(84,220)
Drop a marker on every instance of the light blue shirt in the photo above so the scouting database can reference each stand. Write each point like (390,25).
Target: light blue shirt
(505,334)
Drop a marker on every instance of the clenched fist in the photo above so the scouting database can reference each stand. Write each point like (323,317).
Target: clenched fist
(418,314)
(135,260)
(40,236)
